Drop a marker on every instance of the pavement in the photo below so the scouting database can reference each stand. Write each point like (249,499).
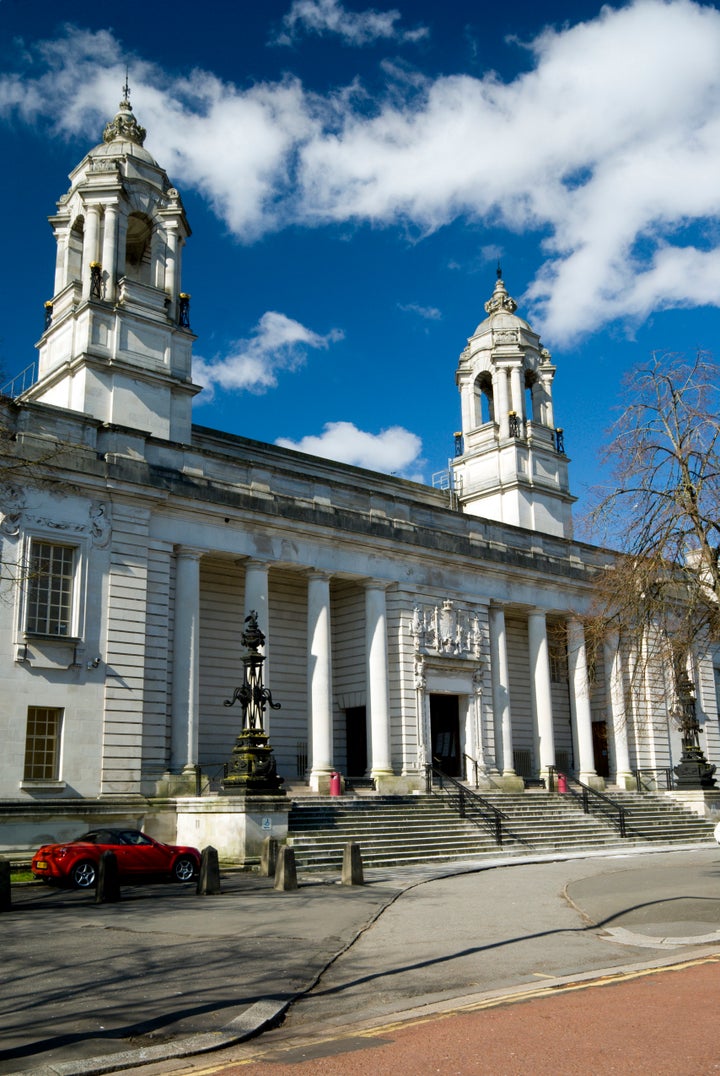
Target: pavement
(167,974)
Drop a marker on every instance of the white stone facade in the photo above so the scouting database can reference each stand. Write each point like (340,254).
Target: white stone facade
(402,623)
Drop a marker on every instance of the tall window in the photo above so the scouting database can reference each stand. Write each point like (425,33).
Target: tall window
(42,743)
(50,587)
(557,652)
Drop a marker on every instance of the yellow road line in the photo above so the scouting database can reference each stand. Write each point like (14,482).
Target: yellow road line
(475,1006)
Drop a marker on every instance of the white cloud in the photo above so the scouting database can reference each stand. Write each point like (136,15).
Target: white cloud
(429,313)
(393,451)
(608,145)
(277,343)
(233,145)
(353,27)
(608,150)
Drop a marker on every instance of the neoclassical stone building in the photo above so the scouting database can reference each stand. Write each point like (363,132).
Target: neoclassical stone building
(403,622)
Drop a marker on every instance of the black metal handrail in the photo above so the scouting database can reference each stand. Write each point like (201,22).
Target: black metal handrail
(666,770)
(592,801)
(475,768)
(469,804)
(204,780)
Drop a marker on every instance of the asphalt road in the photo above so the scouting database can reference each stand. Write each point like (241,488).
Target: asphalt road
(662,1022)
(165,974)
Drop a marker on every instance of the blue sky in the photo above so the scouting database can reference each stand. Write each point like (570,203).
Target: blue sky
(352,175)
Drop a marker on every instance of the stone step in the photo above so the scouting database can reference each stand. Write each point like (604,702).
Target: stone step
(423,828)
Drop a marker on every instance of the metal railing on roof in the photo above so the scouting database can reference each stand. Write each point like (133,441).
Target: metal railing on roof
(21,382)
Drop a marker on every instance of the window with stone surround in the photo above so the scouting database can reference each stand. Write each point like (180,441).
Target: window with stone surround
(42,743)
(51,574)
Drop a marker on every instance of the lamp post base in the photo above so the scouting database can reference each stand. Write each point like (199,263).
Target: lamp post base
(252,770)
(693,770)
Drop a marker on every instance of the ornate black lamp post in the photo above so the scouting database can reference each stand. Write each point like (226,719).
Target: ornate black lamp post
(252,769)
(693,770)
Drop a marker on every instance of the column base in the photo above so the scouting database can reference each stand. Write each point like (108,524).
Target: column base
(509,781)
(178,784)
(592,780)
(388,784)
(319,781)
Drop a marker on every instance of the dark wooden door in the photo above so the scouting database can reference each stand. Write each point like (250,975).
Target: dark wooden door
(600,748)
(445,734)
(356,731)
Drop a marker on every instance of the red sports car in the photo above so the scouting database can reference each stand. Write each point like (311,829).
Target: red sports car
(138,857)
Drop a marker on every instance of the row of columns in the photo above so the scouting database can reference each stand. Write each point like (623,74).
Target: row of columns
(186,664)
(541,694)
(186,693)
(104,240)
(509,395)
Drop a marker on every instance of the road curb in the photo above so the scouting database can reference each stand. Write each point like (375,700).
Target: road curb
(265,1014)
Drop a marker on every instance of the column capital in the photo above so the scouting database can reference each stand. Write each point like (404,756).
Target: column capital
(318,573)
(377,584)
(191,552)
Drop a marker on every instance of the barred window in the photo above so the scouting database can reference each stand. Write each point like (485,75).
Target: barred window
(50,589)
(42,743)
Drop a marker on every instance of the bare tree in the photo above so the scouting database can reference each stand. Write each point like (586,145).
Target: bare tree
(662,511)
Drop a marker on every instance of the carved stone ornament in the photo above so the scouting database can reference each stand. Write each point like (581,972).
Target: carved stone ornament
(500,300)
(100,526)
(443,629)
(506,336)
(419,672)
(12,505)
(124,126)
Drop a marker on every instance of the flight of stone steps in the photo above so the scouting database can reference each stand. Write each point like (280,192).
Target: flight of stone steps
(393,830)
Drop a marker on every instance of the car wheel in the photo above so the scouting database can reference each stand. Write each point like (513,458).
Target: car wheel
(184,869)
(83,874)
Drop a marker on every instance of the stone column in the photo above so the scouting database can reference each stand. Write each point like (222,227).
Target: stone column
(474,727)
(580,701)
(256,598)
(377,680)
(170,283)
(500,393)
(547,417)
(90,246)
(121,260)
(516,392)
(616,710)
(319,675)
(540,690)
(109,251)
(186,660)
(501,689)
(62,237)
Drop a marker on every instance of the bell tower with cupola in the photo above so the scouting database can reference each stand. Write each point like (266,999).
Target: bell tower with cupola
(511,464)
(117,342)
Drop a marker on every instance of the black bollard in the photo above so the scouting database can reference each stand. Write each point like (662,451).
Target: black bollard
(5,895)
(107,882)
(208,883)
(268,857)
